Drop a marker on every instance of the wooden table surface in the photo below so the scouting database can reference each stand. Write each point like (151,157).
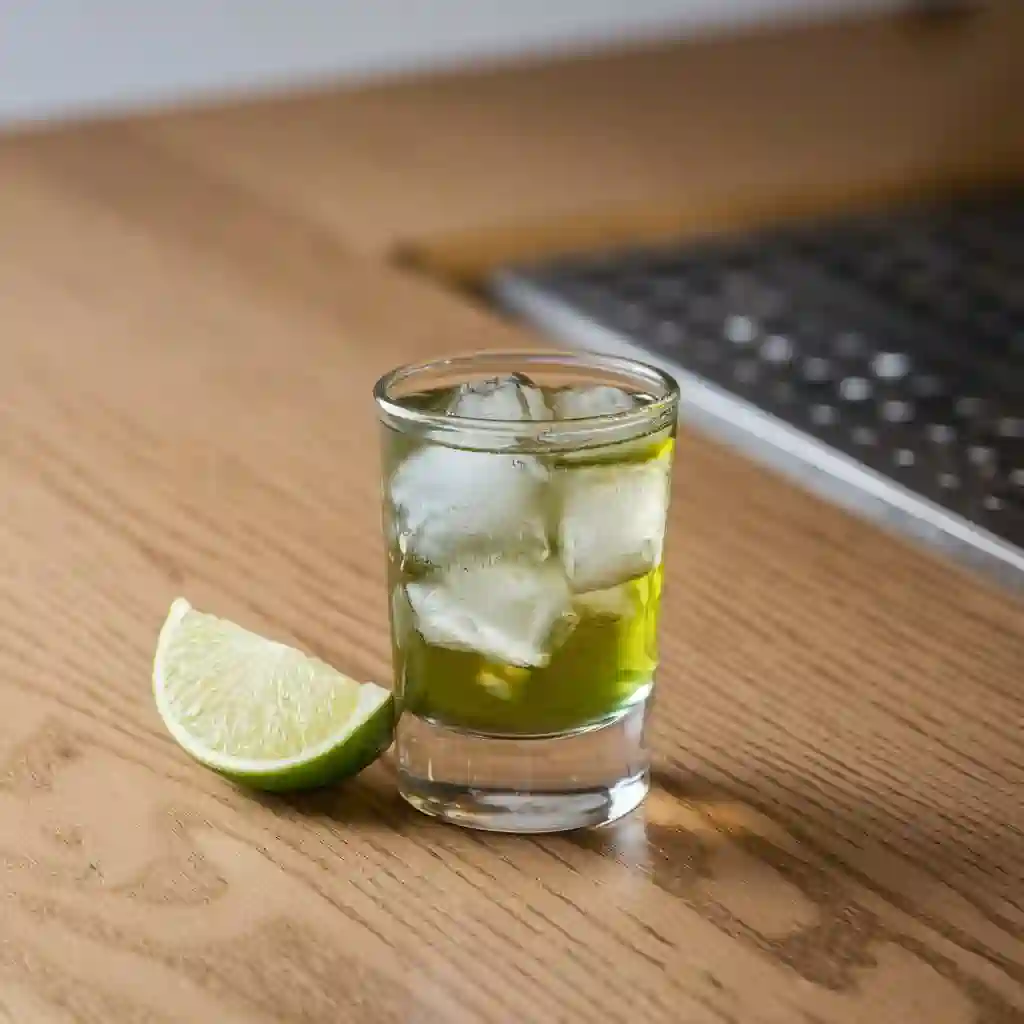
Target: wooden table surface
(193,309)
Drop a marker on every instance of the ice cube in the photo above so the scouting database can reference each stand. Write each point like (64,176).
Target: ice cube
(507,612)
(596,400)
(612,522)
(613,603)
(447,503)
(514,397)
(505,681)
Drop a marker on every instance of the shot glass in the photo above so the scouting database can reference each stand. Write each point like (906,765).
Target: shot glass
(525,498)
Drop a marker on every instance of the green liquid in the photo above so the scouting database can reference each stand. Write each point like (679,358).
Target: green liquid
(601,661)
(604,665)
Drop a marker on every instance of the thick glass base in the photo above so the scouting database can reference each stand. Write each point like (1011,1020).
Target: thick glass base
(528,785)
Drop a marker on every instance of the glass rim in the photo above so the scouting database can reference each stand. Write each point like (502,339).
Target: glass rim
(623,423)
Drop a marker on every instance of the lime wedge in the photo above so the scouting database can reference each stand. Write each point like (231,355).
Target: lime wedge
(260,712)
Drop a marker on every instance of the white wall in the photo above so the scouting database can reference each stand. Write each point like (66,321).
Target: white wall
(63,57)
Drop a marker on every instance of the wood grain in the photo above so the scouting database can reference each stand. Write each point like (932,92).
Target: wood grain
(186,352)
(465,170)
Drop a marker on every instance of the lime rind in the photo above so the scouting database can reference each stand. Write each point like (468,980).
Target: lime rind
(365,733)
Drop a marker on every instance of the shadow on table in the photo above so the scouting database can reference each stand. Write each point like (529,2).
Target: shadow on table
(370,799)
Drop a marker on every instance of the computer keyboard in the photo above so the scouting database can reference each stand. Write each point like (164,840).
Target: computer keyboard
(880,359)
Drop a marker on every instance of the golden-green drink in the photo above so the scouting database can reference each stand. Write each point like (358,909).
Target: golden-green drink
(524,515)
(604,663)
